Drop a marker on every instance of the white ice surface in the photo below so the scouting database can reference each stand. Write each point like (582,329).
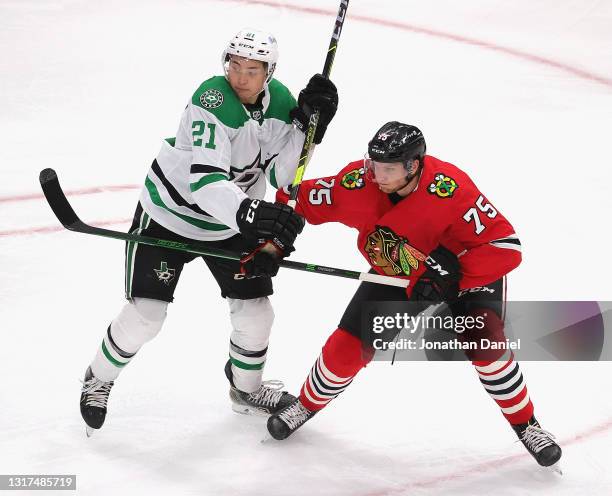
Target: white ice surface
(90,88)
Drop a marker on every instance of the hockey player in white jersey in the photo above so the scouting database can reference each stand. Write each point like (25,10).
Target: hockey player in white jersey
(207,184)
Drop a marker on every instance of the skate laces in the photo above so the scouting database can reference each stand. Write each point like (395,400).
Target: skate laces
(269,393)
(295,415)
(96,392)
(537,438)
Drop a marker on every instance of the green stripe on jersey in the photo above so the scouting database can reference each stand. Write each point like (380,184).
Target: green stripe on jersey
(209,178)
(273,181)
(202,224)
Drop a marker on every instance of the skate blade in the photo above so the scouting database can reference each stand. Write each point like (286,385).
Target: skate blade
(249,410)
(89,431)
(267,438)
(556,467)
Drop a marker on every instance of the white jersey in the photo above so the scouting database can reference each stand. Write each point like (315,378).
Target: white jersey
(221,155)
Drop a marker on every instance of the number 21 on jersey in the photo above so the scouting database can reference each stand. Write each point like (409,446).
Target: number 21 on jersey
(199,127)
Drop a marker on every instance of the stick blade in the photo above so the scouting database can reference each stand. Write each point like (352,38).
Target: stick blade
(57,199)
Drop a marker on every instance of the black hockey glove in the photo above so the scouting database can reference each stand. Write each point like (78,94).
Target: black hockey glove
(440,282)
(320,94)
(261,221)
(261,262)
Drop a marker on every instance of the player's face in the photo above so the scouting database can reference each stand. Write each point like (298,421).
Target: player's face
(390,176)
(246,77)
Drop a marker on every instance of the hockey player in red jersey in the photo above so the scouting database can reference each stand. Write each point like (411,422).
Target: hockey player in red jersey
(425,220)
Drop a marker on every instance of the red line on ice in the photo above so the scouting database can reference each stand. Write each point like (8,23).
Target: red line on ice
(26,231)
(537,59)
(51,229)
(488,466)
(73,192)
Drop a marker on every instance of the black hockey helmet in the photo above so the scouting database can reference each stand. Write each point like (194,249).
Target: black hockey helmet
(397,142)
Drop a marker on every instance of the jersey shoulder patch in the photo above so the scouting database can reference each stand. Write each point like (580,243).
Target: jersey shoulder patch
(281,102)
(444,180)
(353,176)
(216,96)
(442,185)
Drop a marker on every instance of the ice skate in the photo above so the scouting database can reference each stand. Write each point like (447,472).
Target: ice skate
(281,425)
(267,400)
(94,397)
(539,443)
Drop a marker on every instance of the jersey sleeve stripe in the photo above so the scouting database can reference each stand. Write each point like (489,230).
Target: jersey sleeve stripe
(157,200)
(206,169)
(508,246)
(510,243)
(174,194)
(209,178)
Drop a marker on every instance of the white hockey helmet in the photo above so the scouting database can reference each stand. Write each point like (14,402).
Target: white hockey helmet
(253,44)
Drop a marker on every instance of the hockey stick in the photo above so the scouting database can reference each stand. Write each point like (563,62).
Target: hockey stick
(70,220)
(308,147)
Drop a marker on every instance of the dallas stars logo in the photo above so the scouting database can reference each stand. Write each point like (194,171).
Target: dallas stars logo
(211,99)
(443,186)
(164,274)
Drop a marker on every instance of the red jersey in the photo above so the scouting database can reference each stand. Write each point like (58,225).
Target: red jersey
(396,236)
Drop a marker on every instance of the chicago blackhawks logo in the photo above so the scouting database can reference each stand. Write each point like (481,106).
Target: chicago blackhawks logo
(354,179)
(211,99)
(443,186)
(392,253)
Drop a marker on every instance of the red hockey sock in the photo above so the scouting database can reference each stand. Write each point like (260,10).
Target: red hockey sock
(340,360)
(504,382)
